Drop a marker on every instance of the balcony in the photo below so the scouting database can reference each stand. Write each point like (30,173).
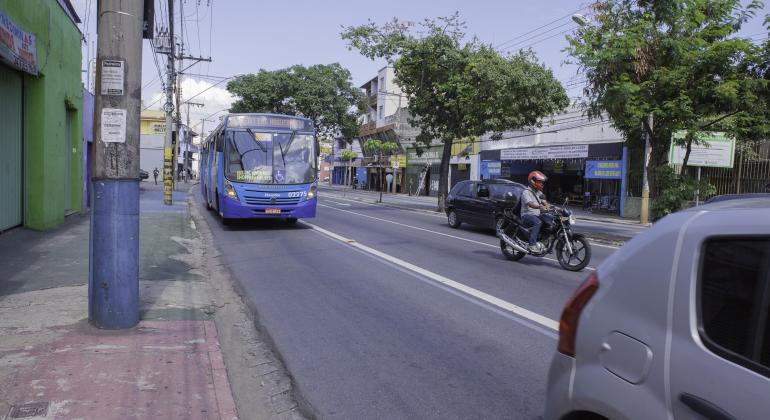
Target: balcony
(368,128)
(373,100)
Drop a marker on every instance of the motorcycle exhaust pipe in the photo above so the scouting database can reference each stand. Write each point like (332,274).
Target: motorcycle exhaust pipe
(512,243)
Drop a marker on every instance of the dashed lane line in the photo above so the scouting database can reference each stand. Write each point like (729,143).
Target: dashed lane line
(541,320)
(431,231)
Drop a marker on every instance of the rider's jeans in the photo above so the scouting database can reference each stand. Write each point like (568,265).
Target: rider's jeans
(532,222)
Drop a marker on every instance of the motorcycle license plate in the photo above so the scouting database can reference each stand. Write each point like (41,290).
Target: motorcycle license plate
(273,211)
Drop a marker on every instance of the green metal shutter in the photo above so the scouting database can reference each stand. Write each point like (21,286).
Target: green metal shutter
(11,180)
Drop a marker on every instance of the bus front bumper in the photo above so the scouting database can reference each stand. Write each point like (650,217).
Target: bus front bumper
(232,209)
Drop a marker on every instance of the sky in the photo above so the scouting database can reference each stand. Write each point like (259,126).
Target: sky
(244,36)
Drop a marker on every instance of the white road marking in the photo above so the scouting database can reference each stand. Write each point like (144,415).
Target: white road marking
(431,231)
(337,203)
(478,294)
(423,212)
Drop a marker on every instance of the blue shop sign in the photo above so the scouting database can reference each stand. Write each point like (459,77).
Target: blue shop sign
(490,169)
(604,169)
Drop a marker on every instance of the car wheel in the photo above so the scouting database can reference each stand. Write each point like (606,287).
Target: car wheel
(452,219)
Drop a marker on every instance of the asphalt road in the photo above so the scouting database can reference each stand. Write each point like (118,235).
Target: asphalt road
(596,225)
(381,312)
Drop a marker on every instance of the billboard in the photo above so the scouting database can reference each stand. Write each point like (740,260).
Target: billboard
(716,150)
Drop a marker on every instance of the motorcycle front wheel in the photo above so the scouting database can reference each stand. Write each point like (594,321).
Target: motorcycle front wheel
(509,252)
(580,256)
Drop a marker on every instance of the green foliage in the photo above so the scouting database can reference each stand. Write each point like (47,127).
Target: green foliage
(348,155)
(379,147)
(677,60)
(459,89)
(674,190)
(323,93)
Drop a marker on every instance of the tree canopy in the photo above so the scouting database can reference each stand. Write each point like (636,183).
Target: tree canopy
(678,61)
(322,93)
(456,88)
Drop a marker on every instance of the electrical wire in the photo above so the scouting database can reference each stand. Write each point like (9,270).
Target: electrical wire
(543,26)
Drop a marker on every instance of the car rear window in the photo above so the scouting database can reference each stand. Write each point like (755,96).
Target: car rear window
(734,300)
(498,190)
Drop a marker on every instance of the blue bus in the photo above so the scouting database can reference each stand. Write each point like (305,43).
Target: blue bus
(260,166)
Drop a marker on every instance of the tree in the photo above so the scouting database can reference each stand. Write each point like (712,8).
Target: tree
(678,61)
(348,155)
(322,93)
(378,148)
(459,89)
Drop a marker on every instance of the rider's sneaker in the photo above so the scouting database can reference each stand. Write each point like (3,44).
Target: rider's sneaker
(536,247)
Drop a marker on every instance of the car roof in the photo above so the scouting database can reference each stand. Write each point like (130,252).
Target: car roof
(735,202)
(725,197)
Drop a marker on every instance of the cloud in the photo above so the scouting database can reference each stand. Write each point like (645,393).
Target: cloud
(214,97)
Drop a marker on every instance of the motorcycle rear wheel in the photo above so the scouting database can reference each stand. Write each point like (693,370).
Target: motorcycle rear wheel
(509,252)
(581,253)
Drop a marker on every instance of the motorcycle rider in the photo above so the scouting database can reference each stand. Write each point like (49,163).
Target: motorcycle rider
(532,202)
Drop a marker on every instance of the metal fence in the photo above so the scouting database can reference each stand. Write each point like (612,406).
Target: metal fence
(749,174)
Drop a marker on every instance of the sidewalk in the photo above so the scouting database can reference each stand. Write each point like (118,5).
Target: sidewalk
(55,365)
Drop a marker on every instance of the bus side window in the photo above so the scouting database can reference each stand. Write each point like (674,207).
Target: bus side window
(219,139)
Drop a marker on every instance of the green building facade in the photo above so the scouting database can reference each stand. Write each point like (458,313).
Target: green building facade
(41,120)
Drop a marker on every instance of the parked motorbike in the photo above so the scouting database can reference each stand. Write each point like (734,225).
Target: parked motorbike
(572,249)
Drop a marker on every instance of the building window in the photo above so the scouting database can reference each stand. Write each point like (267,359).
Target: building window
(380,112)
(734,295)
(382,84)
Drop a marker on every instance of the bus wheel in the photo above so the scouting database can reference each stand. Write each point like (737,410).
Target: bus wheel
(291,220)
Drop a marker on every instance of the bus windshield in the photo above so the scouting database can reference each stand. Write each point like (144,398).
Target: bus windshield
(269,157)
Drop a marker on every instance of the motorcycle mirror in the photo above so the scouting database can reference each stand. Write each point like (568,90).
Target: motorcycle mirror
(566,200)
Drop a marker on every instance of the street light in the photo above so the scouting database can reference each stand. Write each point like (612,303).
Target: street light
(580,19)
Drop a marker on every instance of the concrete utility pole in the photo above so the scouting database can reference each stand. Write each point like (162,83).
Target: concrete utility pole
(168,144)
(113,284)
(189,140)
(644,217)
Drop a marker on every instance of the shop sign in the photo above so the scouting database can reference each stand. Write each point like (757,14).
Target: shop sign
(604,169)
(430,155)
(716,150)
(552,152)
(490,169)
(17,46)
(398,161)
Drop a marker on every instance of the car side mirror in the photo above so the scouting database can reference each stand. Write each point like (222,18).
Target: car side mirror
(483,192)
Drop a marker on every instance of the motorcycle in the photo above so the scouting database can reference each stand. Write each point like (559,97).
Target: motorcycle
(572,249)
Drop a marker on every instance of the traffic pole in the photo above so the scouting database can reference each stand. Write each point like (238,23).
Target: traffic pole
(113,284)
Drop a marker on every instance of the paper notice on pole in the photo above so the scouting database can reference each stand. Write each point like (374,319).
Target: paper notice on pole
(113,77)
(113,125)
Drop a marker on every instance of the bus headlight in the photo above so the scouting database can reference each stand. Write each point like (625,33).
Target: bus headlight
(311,194)
(230,190)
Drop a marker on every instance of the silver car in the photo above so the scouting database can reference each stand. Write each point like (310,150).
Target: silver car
(676,324)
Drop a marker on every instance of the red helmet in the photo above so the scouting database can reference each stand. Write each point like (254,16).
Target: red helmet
(536,180)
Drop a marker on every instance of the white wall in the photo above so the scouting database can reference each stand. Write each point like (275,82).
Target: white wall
(389,95)
(571,127)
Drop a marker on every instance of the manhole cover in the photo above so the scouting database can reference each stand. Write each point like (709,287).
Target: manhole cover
(34,409)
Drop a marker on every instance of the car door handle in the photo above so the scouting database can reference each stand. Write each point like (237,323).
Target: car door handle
(704,407)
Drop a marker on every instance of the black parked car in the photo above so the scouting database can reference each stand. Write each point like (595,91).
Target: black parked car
(480,203)
(143,175)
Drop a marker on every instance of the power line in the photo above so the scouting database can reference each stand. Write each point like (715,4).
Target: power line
(516,46)
(540,27)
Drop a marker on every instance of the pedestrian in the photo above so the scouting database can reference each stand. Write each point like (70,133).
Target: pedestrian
(155,173)
(389,180)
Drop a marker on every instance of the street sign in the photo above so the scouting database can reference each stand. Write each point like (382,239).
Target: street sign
(715,150)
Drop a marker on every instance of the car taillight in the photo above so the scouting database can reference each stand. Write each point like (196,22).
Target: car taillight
(571,314)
